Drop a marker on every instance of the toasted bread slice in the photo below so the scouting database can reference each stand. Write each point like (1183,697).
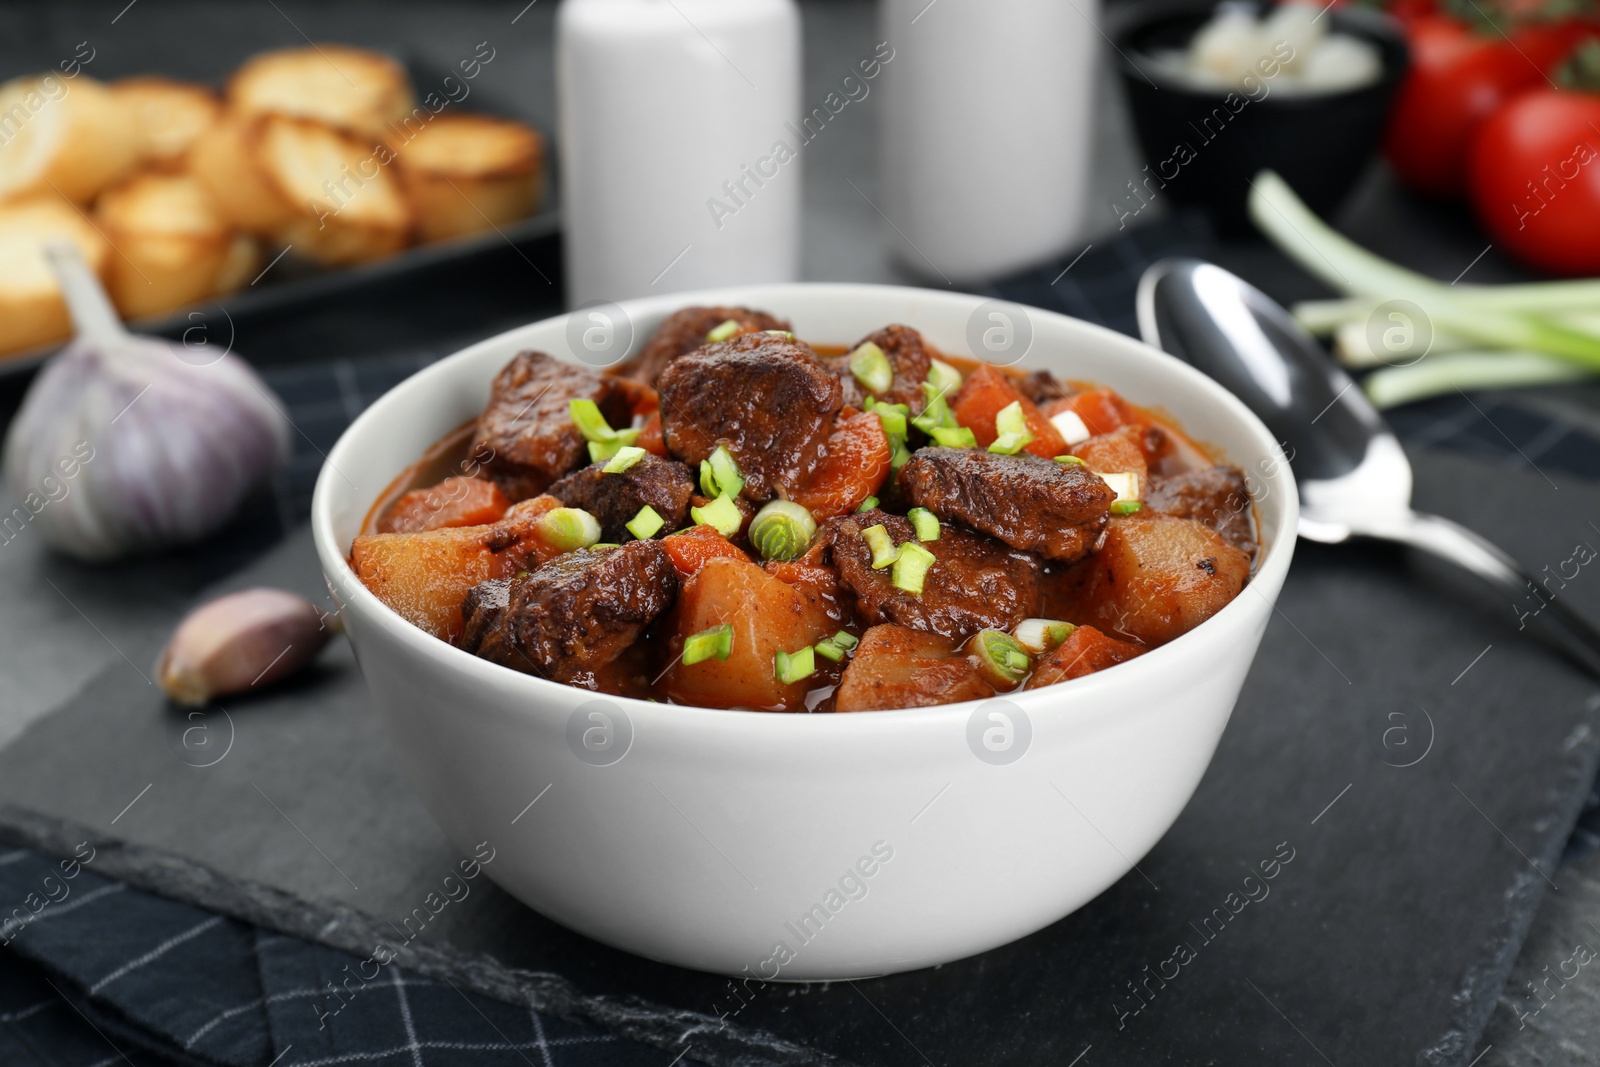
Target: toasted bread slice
(349,200)
(468,173)
(170,242)
(32,311)
(169,115)
(70,136)
(222,160)
(240,265)
(353,90)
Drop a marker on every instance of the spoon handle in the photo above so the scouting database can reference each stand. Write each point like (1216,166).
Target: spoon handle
(1535,604)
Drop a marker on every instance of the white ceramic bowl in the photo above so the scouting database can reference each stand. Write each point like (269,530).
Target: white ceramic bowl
(806,846)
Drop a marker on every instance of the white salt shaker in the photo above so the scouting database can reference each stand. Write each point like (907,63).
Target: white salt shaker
(677,170)
(986,134)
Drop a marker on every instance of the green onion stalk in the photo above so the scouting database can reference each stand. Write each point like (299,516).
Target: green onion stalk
(1510,317)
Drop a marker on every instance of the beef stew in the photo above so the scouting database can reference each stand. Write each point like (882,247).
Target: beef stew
(740,519)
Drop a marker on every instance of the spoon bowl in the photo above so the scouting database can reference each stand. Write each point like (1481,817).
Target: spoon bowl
(1353,476)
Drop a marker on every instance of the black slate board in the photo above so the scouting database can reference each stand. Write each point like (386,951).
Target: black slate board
(1385,939)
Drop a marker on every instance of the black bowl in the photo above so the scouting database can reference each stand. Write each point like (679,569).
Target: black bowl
(1203,149)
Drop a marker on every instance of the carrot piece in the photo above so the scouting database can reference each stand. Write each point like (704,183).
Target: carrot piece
(650,438)
(455,501)
(1085,651)
(640,398)
(985,394)
(1101,410)
(854,468)
(1118,451)
(694,547)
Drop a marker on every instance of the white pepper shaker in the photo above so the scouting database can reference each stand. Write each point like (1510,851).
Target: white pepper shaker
(987,125)
(677,171)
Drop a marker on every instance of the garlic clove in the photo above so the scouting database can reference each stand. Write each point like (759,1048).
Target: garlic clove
(241,641)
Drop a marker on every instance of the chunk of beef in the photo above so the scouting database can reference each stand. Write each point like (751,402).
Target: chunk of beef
(975,582)
(897,667)
(1042,387)
(1216,496)
(1085,651)
(527,429)
(568,620)
(684,331)
(615,499)
(1038,505)
(768,399)
(909,357)
(1155,578)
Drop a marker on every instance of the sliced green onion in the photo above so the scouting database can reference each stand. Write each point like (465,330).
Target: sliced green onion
(894,421)
(569,529)
(828,650)
(722,515)
(1125,507)
(792,667)
(867,504)
(943,377)
(1070,425)
(780,333)
(1002,660)
(723,331)
(837,646)
(911,568)
(1011,430)
(587,418)
(714,643)
(872,368)
(782,529)
(935,410)
(598,545)
(1009,444)
(719,475)
(1071,461)
(646,524)
(953,437)
(882,545)
(1011,419)
(1042,635)
(1124,483)
(899,454)
(925,523)
(626,457)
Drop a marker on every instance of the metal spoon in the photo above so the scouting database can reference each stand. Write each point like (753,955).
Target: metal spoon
(1354,478)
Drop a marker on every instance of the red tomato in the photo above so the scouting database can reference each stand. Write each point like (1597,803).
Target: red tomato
(1458,78)
(1535,171)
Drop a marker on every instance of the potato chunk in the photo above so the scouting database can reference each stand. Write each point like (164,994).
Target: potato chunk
(898,667)
(767,615)
(1156,577)
(425,576)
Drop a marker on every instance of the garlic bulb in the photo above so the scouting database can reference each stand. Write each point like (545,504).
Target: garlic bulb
(127,443)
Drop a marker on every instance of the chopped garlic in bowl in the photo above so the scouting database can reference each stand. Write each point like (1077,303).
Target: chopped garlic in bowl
(1291,47)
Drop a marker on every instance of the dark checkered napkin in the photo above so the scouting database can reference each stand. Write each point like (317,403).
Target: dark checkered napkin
(98,974)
